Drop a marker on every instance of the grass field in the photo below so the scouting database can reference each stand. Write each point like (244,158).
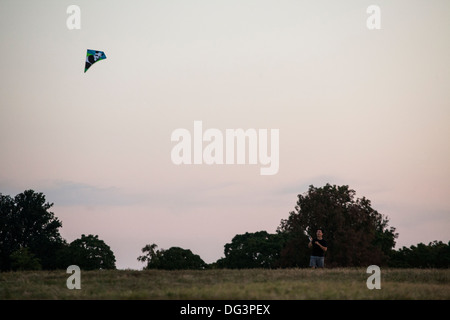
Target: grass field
(218,284)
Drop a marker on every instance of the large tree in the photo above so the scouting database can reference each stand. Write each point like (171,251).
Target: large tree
(253,250)
(90,253)
(27,223)
(357,234)
(174,258)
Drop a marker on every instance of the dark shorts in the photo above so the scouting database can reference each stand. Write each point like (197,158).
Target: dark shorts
(316,261)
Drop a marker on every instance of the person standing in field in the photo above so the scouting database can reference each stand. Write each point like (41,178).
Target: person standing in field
(319,247)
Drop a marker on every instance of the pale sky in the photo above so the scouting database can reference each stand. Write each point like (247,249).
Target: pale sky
(353,106)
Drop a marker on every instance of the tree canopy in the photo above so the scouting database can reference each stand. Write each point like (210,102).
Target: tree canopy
(356,233)
(434,255)
(253,250)
(30,238)
(26,222)
(174,258)
(90,253)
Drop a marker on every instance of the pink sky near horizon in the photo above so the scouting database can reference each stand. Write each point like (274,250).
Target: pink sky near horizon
(358,107)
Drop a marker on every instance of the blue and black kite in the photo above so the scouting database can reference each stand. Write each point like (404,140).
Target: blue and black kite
(92,56)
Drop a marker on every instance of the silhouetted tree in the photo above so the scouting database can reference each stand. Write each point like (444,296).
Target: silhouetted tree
(90,253)
(151,256)
(27,223)
(253,250)
(434,255)
(357,235)
(174,258)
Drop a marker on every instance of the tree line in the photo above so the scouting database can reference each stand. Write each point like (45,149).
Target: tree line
(30,238)
(357,235)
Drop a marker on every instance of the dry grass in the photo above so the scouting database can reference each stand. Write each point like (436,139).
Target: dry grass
(260,284)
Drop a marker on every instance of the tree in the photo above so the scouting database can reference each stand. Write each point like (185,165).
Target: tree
(253,250)
(434,255)
(175,258)
(357,235)
(90,253)
(23,259)
(151,256)
(26,222)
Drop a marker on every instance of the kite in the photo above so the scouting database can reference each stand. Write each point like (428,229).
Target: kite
(92,56)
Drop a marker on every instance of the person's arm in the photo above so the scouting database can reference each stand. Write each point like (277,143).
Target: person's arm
(310,243)
(321,246)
